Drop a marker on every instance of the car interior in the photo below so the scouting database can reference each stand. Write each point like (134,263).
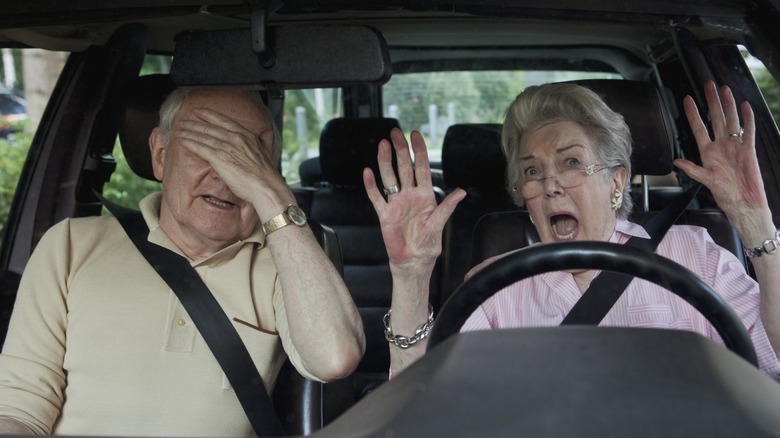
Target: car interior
(642,59)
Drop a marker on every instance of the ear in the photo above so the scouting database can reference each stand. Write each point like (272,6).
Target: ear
(157,148)
(620,178)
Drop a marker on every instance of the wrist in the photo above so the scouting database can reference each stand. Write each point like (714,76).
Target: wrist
(401,341)
(768,246)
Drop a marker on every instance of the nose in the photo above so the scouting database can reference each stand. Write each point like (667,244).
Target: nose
(551,185)
(214,175)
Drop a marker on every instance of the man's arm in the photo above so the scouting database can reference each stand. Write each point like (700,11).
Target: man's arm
(324,323)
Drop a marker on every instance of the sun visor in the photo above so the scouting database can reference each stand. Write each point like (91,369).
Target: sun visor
(300,57)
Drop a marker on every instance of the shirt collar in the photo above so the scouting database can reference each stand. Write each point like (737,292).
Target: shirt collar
(150,209)
(624,230)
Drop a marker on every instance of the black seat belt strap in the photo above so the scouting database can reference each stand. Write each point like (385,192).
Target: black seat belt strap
(209,318)
(606,288)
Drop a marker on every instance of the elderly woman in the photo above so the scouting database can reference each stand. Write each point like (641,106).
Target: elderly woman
(569,163)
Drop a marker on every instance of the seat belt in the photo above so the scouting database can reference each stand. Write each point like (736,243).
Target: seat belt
(210,320)
(608,286)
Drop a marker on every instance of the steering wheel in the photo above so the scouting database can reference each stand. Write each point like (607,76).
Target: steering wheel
(559,256)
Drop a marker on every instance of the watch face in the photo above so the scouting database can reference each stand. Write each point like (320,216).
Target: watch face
(297,216)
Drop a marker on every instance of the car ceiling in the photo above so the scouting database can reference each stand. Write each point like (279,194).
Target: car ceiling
(414,29)
(78,21)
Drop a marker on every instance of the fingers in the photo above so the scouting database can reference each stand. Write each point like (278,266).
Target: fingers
(369,181)
(715,109)
(698,127)
(748,119)
(692,170)
(731,123)
(404,157)
(385,161)
(444,210)
(724,116)
(411,173)
(422,167)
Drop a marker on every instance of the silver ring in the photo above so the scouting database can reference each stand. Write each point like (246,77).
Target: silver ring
(391,190)
(738,134)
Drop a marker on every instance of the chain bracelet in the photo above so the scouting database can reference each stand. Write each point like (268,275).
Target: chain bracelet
(405,342)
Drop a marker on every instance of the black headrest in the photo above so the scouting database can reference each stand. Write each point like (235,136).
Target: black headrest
(138,116)
(309,172)
(348,145)
(647,117)
(472,158)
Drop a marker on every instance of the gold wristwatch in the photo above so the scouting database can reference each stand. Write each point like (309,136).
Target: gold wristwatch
(291,215)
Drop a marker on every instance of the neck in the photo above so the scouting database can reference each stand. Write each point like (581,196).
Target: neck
(583,279)
(192,247)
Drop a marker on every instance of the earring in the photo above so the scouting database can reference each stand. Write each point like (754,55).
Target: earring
(617,200)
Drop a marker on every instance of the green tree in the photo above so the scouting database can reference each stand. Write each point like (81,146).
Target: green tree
(125,187)
(478,97)
(12,159)
(294,147)
(770,90)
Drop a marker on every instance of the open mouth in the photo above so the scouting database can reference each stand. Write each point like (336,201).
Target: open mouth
(564,226)
(217,202)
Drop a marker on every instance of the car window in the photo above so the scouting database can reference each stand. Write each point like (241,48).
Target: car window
(22,68)
(305,113)
(430,102)
(766,83)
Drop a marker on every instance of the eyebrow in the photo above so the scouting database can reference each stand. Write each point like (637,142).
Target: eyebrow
(558,151)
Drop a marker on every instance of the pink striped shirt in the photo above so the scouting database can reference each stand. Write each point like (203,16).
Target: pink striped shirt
(545,299)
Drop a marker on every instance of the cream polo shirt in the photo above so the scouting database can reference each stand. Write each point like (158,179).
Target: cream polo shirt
(98,344)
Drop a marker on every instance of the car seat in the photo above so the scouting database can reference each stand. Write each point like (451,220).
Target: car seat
(473,161)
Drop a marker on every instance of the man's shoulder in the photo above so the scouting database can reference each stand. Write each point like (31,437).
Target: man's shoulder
(84,229)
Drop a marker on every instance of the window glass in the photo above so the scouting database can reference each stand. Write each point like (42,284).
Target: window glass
(431,102)
(305,113)
(22,69)
(766,83)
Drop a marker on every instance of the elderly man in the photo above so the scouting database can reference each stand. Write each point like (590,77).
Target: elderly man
(98,344)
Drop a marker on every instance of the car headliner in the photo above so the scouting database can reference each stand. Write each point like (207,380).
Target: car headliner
(74,25)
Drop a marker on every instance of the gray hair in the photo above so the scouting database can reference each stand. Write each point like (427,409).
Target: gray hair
(172,105)
(541,105)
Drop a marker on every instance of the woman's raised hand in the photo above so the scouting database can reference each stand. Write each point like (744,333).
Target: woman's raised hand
(729,166)
(409,216)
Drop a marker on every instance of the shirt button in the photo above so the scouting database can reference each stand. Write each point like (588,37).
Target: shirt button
(180,322)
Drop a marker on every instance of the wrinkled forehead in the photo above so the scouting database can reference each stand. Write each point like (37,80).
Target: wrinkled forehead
(234,104)
(556,139)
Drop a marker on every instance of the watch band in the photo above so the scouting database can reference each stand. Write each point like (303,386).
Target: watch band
(291,215)
(276,222)
(770,246)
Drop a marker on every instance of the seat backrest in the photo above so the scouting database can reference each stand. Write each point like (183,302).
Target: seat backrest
(347,146)
(139,115)
(473,161)
(652,133)
(310,172)
(303,405)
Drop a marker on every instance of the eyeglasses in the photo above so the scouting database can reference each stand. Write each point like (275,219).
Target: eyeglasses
(532,186)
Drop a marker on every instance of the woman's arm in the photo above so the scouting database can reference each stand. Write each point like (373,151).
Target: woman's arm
(412,225)
(730,171)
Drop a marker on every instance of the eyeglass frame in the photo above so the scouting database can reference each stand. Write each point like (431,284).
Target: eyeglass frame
(586,170)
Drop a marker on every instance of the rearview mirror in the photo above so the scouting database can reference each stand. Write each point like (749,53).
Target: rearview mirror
(304,57)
